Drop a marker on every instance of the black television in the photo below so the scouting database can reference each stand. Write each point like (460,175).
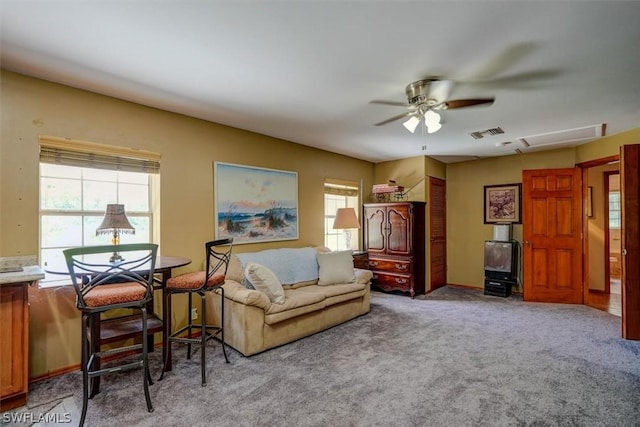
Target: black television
(501,260)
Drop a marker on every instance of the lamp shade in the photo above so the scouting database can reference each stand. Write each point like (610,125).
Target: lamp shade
(115,219)
(412,124)
(346,218)
(432,121)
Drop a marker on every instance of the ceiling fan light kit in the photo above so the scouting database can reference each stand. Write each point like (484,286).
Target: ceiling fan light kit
(411,124)
(424,98)
(433,128)
(430,119)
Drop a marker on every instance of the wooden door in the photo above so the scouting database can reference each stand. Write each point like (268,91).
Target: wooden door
(437,233)
(374,225)
(552,233)
(630,190)
(399,223)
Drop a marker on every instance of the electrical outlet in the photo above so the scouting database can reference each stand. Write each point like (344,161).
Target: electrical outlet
(194,313)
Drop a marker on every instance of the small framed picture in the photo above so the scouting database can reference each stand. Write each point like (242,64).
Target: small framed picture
(502,204)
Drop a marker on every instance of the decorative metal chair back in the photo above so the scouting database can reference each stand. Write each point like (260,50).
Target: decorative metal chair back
(218,256)
(92,274)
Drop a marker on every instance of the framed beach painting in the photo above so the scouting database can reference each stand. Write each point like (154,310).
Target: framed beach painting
(254,204)
(502,204)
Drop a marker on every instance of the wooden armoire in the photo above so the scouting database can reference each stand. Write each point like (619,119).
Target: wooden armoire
(394,237)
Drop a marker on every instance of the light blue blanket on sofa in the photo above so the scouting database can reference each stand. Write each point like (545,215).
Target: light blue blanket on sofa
(290,265)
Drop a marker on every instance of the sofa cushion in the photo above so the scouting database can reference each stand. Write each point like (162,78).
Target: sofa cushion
(335,267)
(234,270)
(294,298)
(263,280)
(338,289)
(238,293)
(295,304)
(336,294)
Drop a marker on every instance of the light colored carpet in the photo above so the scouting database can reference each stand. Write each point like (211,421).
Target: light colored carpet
(453,357)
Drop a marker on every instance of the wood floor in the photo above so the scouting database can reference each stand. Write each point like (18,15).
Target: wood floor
(611,302)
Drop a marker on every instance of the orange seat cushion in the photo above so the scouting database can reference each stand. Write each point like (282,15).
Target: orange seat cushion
(116,293)
(195,280)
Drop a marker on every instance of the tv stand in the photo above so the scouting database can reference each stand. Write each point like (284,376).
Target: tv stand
(498,288)
(500,267)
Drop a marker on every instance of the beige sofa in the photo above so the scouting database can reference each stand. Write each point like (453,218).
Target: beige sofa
(252,323)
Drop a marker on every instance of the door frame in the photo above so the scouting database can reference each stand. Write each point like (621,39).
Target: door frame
(585,224)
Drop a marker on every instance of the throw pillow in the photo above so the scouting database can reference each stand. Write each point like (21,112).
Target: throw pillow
(265,281)
(335,267)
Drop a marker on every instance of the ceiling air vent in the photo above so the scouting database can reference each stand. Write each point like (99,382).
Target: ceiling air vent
(574,136)
(482,133)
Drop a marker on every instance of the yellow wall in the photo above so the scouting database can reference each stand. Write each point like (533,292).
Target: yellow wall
(405,172)
(607,146)
(33,107)
(466,230)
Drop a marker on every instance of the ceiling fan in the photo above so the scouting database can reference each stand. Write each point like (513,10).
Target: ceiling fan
(426,97)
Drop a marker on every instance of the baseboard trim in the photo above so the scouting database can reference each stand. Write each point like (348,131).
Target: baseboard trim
(76,367)
(54,373)
(476,288)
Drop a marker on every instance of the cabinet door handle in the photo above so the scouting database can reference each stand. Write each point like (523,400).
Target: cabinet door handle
(401,266)
(373,264)
(401,281)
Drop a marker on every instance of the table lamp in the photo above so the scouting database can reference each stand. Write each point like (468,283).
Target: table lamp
(346,220)
(115,221)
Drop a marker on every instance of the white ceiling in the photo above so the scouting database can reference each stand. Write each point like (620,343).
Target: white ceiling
(305,71)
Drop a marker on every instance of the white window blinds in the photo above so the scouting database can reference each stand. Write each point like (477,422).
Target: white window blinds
(68,152)
(340,189)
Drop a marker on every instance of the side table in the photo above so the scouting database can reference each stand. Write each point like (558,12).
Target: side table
(361,259)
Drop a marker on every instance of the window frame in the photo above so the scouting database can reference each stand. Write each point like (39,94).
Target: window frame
(612,208)
(90,157)
(349,193)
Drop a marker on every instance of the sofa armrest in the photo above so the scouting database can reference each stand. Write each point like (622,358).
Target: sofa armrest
(238,293)
(363,276)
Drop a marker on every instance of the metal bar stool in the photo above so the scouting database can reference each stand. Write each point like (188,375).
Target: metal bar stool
(218,253)
(100,286)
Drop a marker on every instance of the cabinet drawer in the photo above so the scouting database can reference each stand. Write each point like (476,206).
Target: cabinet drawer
(390,265)
(392,282)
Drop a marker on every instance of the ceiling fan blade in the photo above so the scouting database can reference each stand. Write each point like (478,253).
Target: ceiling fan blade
(462,103)
(530,79)
(394,118)
(440,90)
(503,61)
(394,103)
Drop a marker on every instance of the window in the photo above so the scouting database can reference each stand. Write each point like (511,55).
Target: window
(614,209)
(75,188)
(339,195)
